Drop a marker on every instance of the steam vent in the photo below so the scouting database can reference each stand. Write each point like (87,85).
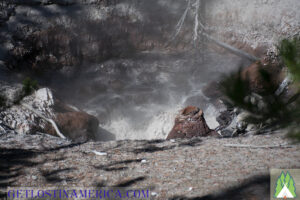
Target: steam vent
(156,99)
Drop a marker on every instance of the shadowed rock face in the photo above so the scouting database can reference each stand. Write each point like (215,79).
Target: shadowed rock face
(190,123)
(49,35)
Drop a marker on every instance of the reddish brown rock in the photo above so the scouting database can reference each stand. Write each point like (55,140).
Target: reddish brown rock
(75,125)
(190,123)
(258,83)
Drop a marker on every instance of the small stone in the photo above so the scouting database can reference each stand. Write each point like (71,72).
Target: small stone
(144,161)
(190,189)
(250,127)
(13,124)
(64,182)
(154,194)
(99,153)
(236,110)
(241,126)
(253,100)
(34,177)
(2,130)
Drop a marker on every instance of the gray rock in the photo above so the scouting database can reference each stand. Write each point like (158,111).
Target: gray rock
(241,126)
(2,130)
(233,124)
(225,118)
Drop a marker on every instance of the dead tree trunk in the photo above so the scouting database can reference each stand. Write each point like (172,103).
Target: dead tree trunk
(198,23)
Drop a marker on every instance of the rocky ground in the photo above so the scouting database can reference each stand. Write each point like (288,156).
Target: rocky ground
(198,168)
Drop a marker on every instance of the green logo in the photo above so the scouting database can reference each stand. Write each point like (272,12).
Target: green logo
(285,187)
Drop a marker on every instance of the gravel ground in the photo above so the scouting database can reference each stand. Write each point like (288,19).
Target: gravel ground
(199,168)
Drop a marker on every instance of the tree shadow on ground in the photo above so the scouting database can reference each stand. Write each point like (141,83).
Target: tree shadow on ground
(114,165)
(152,148)
(11,163)
(54,175)
(257,188)
(14,160)
(149,147)
(192,142)
(130,182)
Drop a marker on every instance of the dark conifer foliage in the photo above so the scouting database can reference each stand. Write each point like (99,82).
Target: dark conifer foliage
(269,108)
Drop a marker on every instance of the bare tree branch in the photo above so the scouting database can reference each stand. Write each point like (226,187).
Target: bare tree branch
(198,23)
(181,21)
(230,48)
(257,147)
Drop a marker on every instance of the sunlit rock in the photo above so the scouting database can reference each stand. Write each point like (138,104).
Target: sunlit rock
(190,123)
(74,124)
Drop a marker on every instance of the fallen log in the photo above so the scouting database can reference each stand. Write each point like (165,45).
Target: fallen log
(258,147)
(230,48)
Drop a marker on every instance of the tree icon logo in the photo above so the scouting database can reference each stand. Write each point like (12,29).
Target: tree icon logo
(285,187)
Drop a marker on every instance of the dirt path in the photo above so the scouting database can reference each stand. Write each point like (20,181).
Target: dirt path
(172,169)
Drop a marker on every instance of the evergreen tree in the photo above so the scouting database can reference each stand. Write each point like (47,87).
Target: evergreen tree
(29,86)
(291,186)
(279,110)
(287,179)
(282,179)
(278,187)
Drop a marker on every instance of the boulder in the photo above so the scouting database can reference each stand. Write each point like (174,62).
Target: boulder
(190,123)
(75,125)
(31,113)
(260,83)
